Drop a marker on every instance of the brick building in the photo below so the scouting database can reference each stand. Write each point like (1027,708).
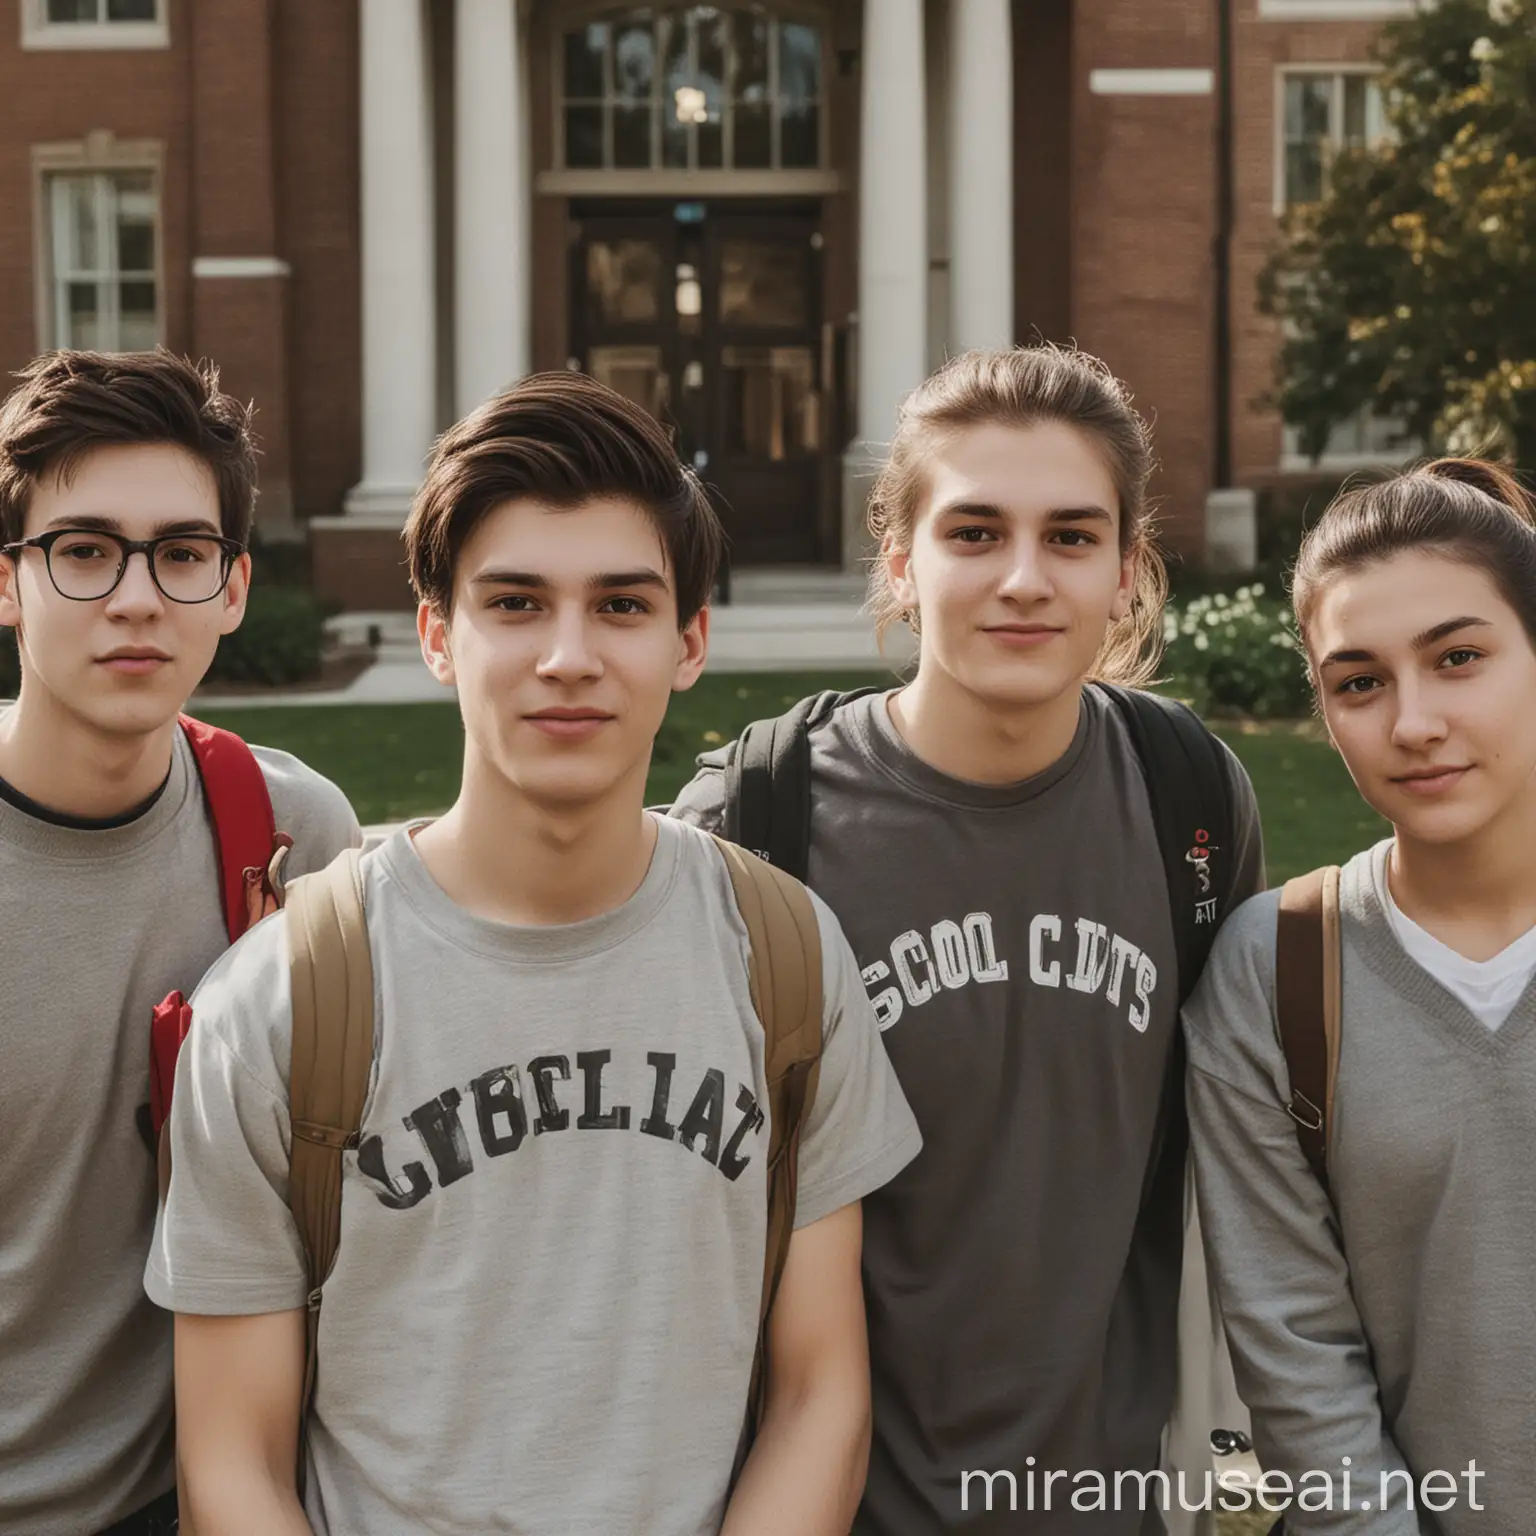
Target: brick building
(766,220)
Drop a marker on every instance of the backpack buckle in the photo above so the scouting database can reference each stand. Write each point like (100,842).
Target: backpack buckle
(1312,1120)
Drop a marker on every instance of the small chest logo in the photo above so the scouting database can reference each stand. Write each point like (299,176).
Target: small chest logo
(1200,857)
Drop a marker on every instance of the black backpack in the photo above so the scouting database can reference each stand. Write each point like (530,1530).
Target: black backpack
(768,809)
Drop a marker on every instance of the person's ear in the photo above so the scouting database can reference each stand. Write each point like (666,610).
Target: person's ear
(692,651)
(436,646)
(1125,592)
(237,591)
(897,560)
(10,592)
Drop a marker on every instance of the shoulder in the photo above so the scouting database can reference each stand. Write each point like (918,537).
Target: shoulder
(702,801)
(1229,1021)
(242,1007)
(309,808)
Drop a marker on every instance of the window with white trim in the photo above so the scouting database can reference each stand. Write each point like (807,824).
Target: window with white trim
(103,233)
(1323,112)
(692,87)
(94,23)
(1365,439)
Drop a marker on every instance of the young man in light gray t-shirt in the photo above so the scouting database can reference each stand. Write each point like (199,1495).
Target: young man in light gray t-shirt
(544,1314)
(109,896)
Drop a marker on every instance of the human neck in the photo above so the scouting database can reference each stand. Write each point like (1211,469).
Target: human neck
(953,730)
(56,759)
(1476,896)
(501,856)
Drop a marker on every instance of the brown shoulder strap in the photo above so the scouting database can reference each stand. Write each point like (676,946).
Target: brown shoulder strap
(785,977)
(1308,999)
(331,972)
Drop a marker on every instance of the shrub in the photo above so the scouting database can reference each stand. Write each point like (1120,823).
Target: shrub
(1236,654)
(279,641)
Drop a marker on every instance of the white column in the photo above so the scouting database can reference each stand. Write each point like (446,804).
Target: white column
(491,222)
(399,281)
(893,215)
(980,174)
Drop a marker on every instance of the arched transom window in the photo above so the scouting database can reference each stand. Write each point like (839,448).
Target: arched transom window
(692,88)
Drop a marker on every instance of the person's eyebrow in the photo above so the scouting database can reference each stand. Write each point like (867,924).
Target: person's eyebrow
(1079,515)
(1420,642)
(603,581)
(1438,632)
(92,523)
(497,578)
(643,576)
(985,510)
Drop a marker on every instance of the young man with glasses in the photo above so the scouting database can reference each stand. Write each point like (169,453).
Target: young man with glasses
(126,490)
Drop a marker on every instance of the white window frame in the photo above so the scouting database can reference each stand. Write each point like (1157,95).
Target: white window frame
(37,32)
(1293,461)
(100,155)
(1335,10)
(1283,74)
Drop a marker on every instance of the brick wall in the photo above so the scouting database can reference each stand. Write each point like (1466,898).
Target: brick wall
(1143,220)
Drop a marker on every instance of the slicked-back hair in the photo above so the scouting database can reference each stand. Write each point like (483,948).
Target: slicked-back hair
(1469,510)
(70,403)
(560,439)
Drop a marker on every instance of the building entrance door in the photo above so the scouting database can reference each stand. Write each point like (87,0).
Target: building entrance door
(710,317)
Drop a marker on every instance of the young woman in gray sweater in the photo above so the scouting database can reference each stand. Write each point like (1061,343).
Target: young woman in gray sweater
(1385,1341)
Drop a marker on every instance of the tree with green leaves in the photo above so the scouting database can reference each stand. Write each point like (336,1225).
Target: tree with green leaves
(1410,287)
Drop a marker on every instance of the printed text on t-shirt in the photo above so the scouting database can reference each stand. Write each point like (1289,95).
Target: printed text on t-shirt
(954,955)
(502,1123)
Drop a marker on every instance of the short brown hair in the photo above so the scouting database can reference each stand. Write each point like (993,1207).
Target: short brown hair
(560,438)
(71,402)
(1468,510)
(1022,387)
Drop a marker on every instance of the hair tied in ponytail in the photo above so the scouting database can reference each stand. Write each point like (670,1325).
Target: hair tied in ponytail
(1493,480)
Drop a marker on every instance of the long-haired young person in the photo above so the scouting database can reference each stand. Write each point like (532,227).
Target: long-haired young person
(1384,1326)
(1027,866)
(545,1310)
(126,489)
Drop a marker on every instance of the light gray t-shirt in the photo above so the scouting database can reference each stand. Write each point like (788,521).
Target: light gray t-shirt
(1018,946)
(96,926)
(544,1312)
(1400,1330)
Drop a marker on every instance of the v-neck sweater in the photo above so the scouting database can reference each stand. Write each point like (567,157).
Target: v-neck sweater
(1396,1327)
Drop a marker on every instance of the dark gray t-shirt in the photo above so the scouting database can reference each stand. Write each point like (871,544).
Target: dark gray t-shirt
(1018,946)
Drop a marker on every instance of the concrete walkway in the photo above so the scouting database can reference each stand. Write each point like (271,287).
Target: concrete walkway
(776,622)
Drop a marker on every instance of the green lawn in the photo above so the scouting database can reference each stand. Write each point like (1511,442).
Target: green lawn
(403,760)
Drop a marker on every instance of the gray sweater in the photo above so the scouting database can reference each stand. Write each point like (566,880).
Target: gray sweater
(1400,1332)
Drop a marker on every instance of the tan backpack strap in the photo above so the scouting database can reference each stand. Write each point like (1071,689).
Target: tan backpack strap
(331,973)
(1308,1005)
(784,974)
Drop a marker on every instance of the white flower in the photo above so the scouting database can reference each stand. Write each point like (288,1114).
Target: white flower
(1503,12)
(1485,50)
(1201,643)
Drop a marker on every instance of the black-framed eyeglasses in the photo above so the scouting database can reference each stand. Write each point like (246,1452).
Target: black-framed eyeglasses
(86,564)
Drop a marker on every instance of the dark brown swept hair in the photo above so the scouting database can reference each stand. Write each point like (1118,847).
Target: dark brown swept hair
(70,403)
(562,439)
(1023,387)
(1466,509)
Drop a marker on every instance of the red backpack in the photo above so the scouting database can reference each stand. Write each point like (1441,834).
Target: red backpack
(250,853)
